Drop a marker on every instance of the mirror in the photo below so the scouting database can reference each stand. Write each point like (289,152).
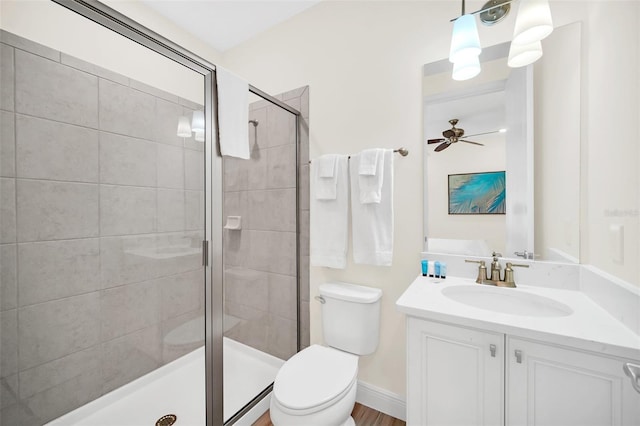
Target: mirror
(539,107)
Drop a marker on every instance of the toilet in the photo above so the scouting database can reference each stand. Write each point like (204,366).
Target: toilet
(317,386)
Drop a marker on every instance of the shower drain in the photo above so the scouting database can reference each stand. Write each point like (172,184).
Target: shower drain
(167,420)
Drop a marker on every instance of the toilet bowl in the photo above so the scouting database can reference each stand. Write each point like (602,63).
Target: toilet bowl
(317,386)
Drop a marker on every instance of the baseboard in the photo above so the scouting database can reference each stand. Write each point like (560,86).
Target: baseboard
(382,400)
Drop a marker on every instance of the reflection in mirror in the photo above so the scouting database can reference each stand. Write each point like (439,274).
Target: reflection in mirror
(539,107)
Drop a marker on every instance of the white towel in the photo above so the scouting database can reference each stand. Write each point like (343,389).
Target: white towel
(329,220)
(372,223)
(233,114)
(371,175)
(325,177)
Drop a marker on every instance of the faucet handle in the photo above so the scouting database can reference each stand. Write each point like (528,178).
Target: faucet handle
(495,255)
(482,271)
(508,274)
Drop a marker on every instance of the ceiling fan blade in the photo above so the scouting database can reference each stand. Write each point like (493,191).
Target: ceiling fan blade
(448,133)
(485,133)
(442,146)
(435,140)
(475,143)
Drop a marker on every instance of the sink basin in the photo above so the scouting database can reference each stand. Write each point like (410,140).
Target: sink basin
(507,301)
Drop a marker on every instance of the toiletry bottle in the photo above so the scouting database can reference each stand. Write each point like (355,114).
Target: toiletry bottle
(437,271)
(443,270)
(425,267)
(431,268)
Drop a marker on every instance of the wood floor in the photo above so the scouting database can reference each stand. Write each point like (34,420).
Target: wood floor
(364,416)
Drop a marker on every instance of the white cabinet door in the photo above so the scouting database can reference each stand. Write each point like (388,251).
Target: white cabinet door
(547,385)
(454,375)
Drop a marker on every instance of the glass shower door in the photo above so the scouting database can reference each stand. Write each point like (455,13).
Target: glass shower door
(101,228)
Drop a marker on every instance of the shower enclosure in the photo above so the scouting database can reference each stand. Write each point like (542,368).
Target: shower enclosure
(125,288)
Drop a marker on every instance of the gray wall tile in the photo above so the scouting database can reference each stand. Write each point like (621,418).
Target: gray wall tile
(281,169)
(51,150)
(257,169)
(7,144)
(273,210)
(127,210)
(57,269)
(247,287)
(185,253)
(8,342)
(171,166)
(127,259)
(130,357)
(304,232)
(90,68)
(56,210)
(283,295)
(181,294)
(126,111)
(129,308)
(51,330)
(282,337)
(303,188)
(8,277)
(127,161)
(30,46)
(65,397)
(7,73)
(281,124)
(194,210)
(194,170)
(7,210)
(171,208)
(55,373)
(155,92)
(235,174)
(8,392)
(50,90)
(166,121)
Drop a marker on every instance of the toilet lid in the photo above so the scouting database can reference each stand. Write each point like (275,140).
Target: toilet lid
(314,377)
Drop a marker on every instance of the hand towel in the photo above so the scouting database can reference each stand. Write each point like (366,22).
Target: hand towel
(371,175)
(329,219)
(233,114)
(325,177)
(372,223)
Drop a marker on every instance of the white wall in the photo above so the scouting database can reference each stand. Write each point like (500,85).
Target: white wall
(363,63)
(54,26)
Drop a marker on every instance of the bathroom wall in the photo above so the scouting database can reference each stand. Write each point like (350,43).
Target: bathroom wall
(57,27)
(365,72)
(260,259)
(100,230)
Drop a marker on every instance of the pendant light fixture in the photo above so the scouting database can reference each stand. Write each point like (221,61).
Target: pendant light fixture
(521,55)
(533,23)
(197,122)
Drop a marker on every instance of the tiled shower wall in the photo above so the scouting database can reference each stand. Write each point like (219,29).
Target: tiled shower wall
(100,230)
(260,259)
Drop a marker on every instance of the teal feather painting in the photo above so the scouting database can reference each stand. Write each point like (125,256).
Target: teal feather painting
(477,193)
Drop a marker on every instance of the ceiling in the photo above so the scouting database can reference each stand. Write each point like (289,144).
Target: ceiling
(226,23)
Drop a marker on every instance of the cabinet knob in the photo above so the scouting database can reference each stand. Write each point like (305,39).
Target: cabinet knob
(633,371)
(492,349)
(518,354)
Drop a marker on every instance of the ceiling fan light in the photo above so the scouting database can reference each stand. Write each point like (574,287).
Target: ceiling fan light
(467,69)
(184,128)
(533,22)
(465,42)
(521,55)
(197,122)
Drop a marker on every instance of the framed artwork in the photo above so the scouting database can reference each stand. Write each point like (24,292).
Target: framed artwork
(477,193)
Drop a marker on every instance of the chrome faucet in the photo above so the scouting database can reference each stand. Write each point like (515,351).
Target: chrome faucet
(494,278)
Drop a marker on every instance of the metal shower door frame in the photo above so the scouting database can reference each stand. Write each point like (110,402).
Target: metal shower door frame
(212,246)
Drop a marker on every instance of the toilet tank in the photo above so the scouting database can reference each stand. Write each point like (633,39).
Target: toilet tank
(351,317)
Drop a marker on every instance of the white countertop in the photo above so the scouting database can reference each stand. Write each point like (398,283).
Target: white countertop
(589,327)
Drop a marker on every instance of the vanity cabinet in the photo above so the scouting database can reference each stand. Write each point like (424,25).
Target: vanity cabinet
(464,376)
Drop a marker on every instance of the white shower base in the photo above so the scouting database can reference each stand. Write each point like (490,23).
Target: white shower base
(179,388)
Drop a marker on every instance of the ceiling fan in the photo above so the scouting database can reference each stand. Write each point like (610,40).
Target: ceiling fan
(453,135)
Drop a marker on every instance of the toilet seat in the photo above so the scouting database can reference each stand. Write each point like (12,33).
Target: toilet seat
(314,379)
